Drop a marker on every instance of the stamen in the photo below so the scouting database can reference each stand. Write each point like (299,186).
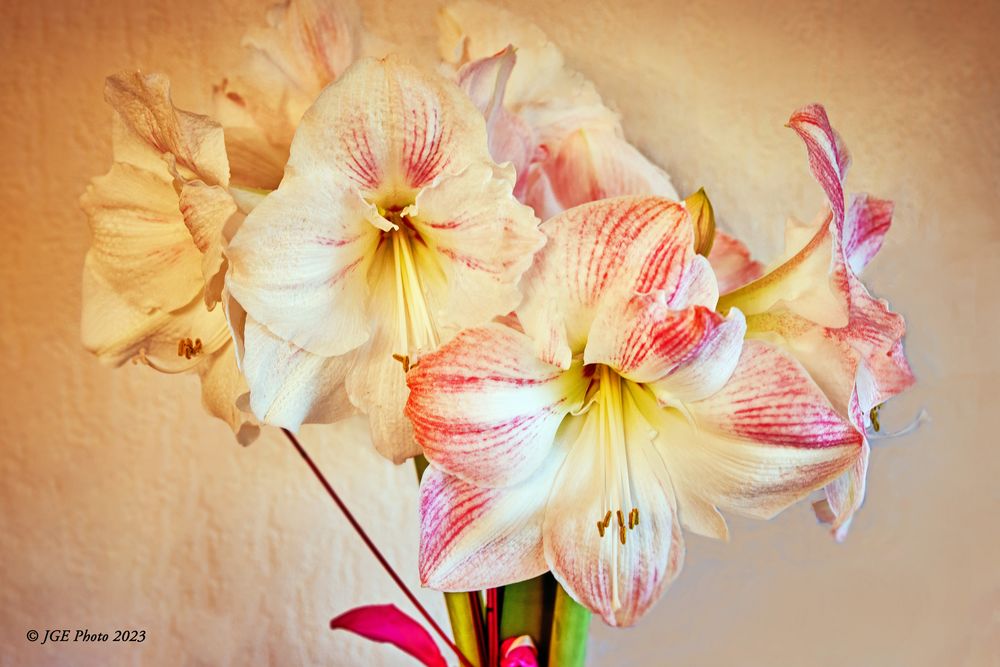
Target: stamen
(600,528)
(873,415)
(607,519)
(621,519)
(635,512)
(403,359)
(621,534)
(189,349)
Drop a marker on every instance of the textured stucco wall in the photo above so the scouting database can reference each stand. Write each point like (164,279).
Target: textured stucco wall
(121,504)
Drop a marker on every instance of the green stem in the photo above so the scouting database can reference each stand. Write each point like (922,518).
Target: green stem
(463,625)
(523,611)
(569,632)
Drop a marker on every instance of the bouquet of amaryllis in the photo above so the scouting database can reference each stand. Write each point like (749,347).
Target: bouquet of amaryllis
(579,363)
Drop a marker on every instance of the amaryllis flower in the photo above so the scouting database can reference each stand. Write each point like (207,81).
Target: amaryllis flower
(306,45)
(153,275)
(815,306)
(619,408)
(391,230)
(546,119)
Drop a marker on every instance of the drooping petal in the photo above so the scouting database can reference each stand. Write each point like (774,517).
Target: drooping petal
(140,245)
(511,138)
(150,126)
(116,330)
(828,156)
(386,623)
(475,537)
(688,353)
(290,386)
(482,238)
(222,388)
(732,263)
(620,582)
(591,164)
(486,409)
(623,245)
(764,441)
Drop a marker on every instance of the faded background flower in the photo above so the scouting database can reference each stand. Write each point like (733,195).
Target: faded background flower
(124,503)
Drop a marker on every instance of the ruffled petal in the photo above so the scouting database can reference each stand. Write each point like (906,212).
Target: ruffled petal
(828,156)
(591,164)
(116,330)
(511,138)
(206,210)
(620,582)
(867,222)
(140,245)
(486,409)
(692,351)
(483,240)
(151,129)
(615,246)
(222,388)
(764,441)
(474,537)
(290,386)
(732,263)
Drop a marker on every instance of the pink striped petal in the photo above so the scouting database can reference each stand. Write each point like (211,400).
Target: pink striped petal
(591,164)
(483,239)
(828,157)
(511,138)
(618,582)
(615,246)
(474,537)
(486,409)
(385,623)
(771,399)
(693,351)
(867,222)
(732,263)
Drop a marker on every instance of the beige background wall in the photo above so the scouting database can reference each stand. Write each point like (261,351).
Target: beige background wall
(121,504)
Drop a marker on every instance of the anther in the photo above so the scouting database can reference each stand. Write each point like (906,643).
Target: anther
(634,516)
(600,528)
(621,519)
(607,519)
(188,348)
(621,534)
(403,359)
(874,417)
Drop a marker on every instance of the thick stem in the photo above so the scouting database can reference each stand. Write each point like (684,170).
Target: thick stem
(524,610)
(569,632)
(371,546)
(466,622)
(492,627)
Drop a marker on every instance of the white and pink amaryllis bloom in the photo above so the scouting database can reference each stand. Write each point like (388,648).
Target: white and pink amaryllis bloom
(619,407)
(391,230)
(814,306)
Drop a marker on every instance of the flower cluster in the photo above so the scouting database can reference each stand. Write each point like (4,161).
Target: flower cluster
(478,261)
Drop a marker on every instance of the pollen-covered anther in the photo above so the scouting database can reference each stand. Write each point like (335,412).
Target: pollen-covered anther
(633,517)
(405,360)
(873,415)
(188,348)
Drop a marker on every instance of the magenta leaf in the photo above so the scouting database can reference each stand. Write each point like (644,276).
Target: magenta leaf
(386,623)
